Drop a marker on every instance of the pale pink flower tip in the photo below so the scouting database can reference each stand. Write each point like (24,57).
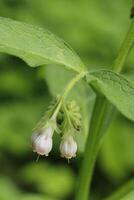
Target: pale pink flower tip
(42,142)
(68,147)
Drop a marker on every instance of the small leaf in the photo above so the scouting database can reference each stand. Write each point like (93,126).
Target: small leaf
(36,46)
(118,90)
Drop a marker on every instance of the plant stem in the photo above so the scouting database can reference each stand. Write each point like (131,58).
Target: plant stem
(125,49)
(67,90)
(98,126)
(72,83)
(101,118)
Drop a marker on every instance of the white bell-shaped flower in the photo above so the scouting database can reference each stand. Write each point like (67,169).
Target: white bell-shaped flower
(42,142)
(68,147)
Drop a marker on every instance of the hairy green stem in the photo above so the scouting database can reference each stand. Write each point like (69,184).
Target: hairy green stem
(72,83)
(67,89)
(101,118)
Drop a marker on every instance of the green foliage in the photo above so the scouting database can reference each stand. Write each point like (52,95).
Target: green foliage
(126,192)
(116,157)
(36,197)
(129,196)
(8,190)
(35,45)
(95,29)
(82,93)
(118,90)
(57,181)
(18,120)
(12,83)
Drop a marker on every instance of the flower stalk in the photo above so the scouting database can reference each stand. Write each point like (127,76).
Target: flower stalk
(101,118)
(70,123)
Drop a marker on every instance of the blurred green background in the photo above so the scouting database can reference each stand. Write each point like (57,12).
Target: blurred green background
(95,29)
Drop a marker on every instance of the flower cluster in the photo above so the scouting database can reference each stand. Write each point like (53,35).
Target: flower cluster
(63,118)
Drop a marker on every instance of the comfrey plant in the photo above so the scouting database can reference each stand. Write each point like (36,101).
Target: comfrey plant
(113,90)
(63,118)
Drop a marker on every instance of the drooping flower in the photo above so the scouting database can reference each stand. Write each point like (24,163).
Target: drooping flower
(68,147)
(42,142)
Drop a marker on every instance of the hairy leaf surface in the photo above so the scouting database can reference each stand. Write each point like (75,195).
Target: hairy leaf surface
(118,90)
(36,46)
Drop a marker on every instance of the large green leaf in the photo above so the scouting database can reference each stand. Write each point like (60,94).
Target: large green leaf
(35,45)
(118,90)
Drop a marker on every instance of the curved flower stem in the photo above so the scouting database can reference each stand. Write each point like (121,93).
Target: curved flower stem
(101,118)
(67,90)
(72,83)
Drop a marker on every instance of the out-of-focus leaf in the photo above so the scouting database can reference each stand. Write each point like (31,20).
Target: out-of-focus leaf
(117,89)
(57,181)
(129,196)
(8,190)
(14,83)
(126,192)
(17,121)
(35,45)
(117,152)
(91,32)
(36,197)
(57,80)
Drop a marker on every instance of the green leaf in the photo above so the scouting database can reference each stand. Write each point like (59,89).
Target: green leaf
(129,196)
(130,75)
(36,197)
(126,192)
(36,46)
(118,90)
(17,120)
(8,189)
(34,174)
(117,152)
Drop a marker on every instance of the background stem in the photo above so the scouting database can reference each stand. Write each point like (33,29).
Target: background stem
(125,49)
(99,124)
(101,118)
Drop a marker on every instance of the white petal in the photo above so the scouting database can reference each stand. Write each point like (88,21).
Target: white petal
(68,147)
(42,143)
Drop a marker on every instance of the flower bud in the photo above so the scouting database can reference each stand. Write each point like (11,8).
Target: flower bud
(42,142)
(68,147)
